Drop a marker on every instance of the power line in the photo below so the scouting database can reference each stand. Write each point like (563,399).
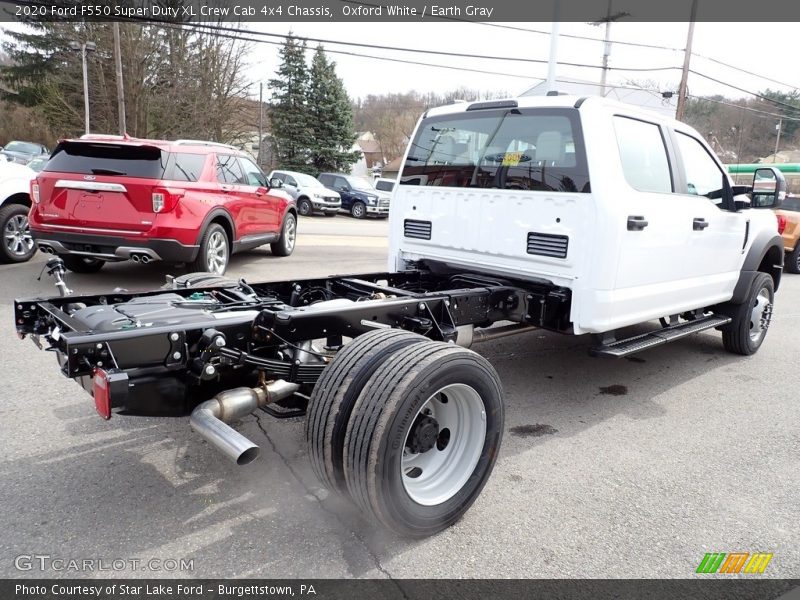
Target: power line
(724,64)
(757,95)
(762,113)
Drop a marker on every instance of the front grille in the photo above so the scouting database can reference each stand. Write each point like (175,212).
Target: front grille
(547,244)
(331,199)
(417,229)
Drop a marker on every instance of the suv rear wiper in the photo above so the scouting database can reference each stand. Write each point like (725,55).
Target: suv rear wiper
(107,172)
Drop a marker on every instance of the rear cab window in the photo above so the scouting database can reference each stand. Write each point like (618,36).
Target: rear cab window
(643,155)
(539,149)
(384,186)
(85,158)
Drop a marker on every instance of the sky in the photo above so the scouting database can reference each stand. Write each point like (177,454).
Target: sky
(766,49)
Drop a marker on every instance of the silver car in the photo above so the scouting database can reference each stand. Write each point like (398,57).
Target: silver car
(310,194)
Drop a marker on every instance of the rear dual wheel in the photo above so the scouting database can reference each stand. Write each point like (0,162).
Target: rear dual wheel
(413,429)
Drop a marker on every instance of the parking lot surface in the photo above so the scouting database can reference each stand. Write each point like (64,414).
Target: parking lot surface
(608,468)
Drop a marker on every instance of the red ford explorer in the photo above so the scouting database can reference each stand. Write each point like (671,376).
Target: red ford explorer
(106,198)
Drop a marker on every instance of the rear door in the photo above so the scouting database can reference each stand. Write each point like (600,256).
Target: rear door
(100,187)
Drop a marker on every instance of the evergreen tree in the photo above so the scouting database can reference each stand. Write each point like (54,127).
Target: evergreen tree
(292,133)
(331,117)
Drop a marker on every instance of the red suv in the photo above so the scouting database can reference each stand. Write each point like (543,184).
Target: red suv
(102,199)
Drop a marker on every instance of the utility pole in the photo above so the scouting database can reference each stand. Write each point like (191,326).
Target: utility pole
(552,62)
(778,141)
(120,87)
(83,49)
(606,50)
(687,55)
(260,121)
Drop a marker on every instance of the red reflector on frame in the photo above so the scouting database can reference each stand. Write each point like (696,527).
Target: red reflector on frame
(102,394)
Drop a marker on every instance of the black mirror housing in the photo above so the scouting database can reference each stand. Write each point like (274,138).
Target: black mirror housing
(769,188)
(275,183)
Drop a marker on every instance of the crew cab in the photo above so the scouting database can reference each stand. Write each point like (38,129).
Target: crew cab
(111,198)
(577,215)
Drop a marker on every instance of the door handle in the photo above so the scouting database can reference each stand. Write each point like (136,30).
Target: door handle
(226,188)
(699,224)
(636,223)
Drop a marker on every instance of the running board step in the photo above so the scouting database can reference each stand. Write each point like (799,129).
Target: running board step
(671,333)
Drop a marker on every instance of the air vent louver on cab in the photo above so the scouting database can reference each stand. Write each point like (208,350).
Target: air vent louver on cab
(420,230)
(547,244)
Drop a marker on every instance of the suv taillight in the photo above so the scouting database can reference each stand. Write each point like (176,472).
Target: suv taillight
(35,191)
(781,224)
(165,200)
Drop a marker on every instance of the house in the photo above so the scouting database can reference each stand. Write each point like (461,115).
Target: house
(371,155)
(392,168)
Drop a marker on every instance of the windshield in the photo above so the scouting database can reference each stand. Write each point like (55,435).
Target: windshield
(23,147)
(306,180)
(360,183)
(517,149)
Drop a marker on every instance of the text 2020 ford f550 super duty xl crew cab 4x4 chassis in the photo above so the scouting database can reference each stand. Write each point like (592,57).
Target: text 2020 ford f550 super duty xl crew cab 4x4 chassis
(580,216)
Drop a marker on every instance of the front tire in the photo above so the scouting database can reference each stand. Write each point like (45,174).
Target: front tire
(750,320)
(285,244)
(792,264)
(18,245)
(358,210)
(304,207)
(214,252)
(423,437)
(82,264)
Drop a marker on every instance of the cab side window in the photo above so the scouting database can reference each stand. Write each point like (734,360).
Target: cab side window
(703,175)
(643,155)
(290,181)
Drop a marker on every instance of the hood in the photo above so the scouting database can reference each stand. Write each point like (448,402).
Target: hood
(10,170)
(321,189)
(20,157)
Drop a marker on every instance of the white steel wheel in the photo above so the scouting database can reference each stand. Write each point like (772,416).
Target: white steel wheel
(423,437)
(443,444)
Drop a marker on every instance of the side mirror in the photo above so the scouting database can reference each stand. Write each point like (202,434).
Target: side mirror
(769,188)
(275,183)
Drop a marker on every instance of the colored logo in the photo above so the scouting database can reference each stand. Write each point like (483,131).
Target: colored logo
(734,562)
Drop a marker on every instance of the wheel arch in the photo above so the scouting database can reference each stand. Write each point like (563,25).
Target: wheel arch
(765,256)
(22,198)
(224,219)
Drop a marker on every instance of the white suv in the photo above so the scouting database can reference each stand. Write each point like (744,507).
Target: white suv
(310,194)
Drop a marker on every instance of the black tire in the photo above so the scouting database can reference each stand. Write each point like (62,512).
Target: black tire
(198,280)
(17,244)
(285,244)
(743,335)
(389,408)
(82,264)
(304,207)
(358,210)
(215,251)
(792,264)
(336,392)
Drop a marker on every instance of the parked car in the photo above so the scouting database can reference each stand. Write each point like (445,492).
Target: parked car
(15,202)
(359,196)
(38,163)
(187,201)
(23,152)
(789,226)
(311,196)
(382,184)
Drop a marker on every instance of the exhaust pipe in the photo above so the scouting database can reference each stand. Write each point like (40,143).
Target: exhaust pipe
(468,335)
(145,259)
(46,249)
(135,258)
(210,418)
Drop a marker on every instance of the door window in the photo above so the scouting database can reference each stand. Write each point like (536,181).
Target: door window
(253,175)
(703,175)
(228,170)
(290,181)
(643,155)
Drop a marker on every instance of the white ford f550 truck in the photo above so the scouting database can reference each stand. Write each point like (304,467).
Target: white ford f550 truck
(576,215)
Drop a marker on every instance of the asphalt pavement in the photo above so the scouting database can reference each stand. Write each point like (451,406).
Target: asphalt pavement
(608,468)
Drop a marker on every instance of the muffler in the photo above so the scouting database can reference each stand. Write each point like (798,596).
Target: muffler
(210,418)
